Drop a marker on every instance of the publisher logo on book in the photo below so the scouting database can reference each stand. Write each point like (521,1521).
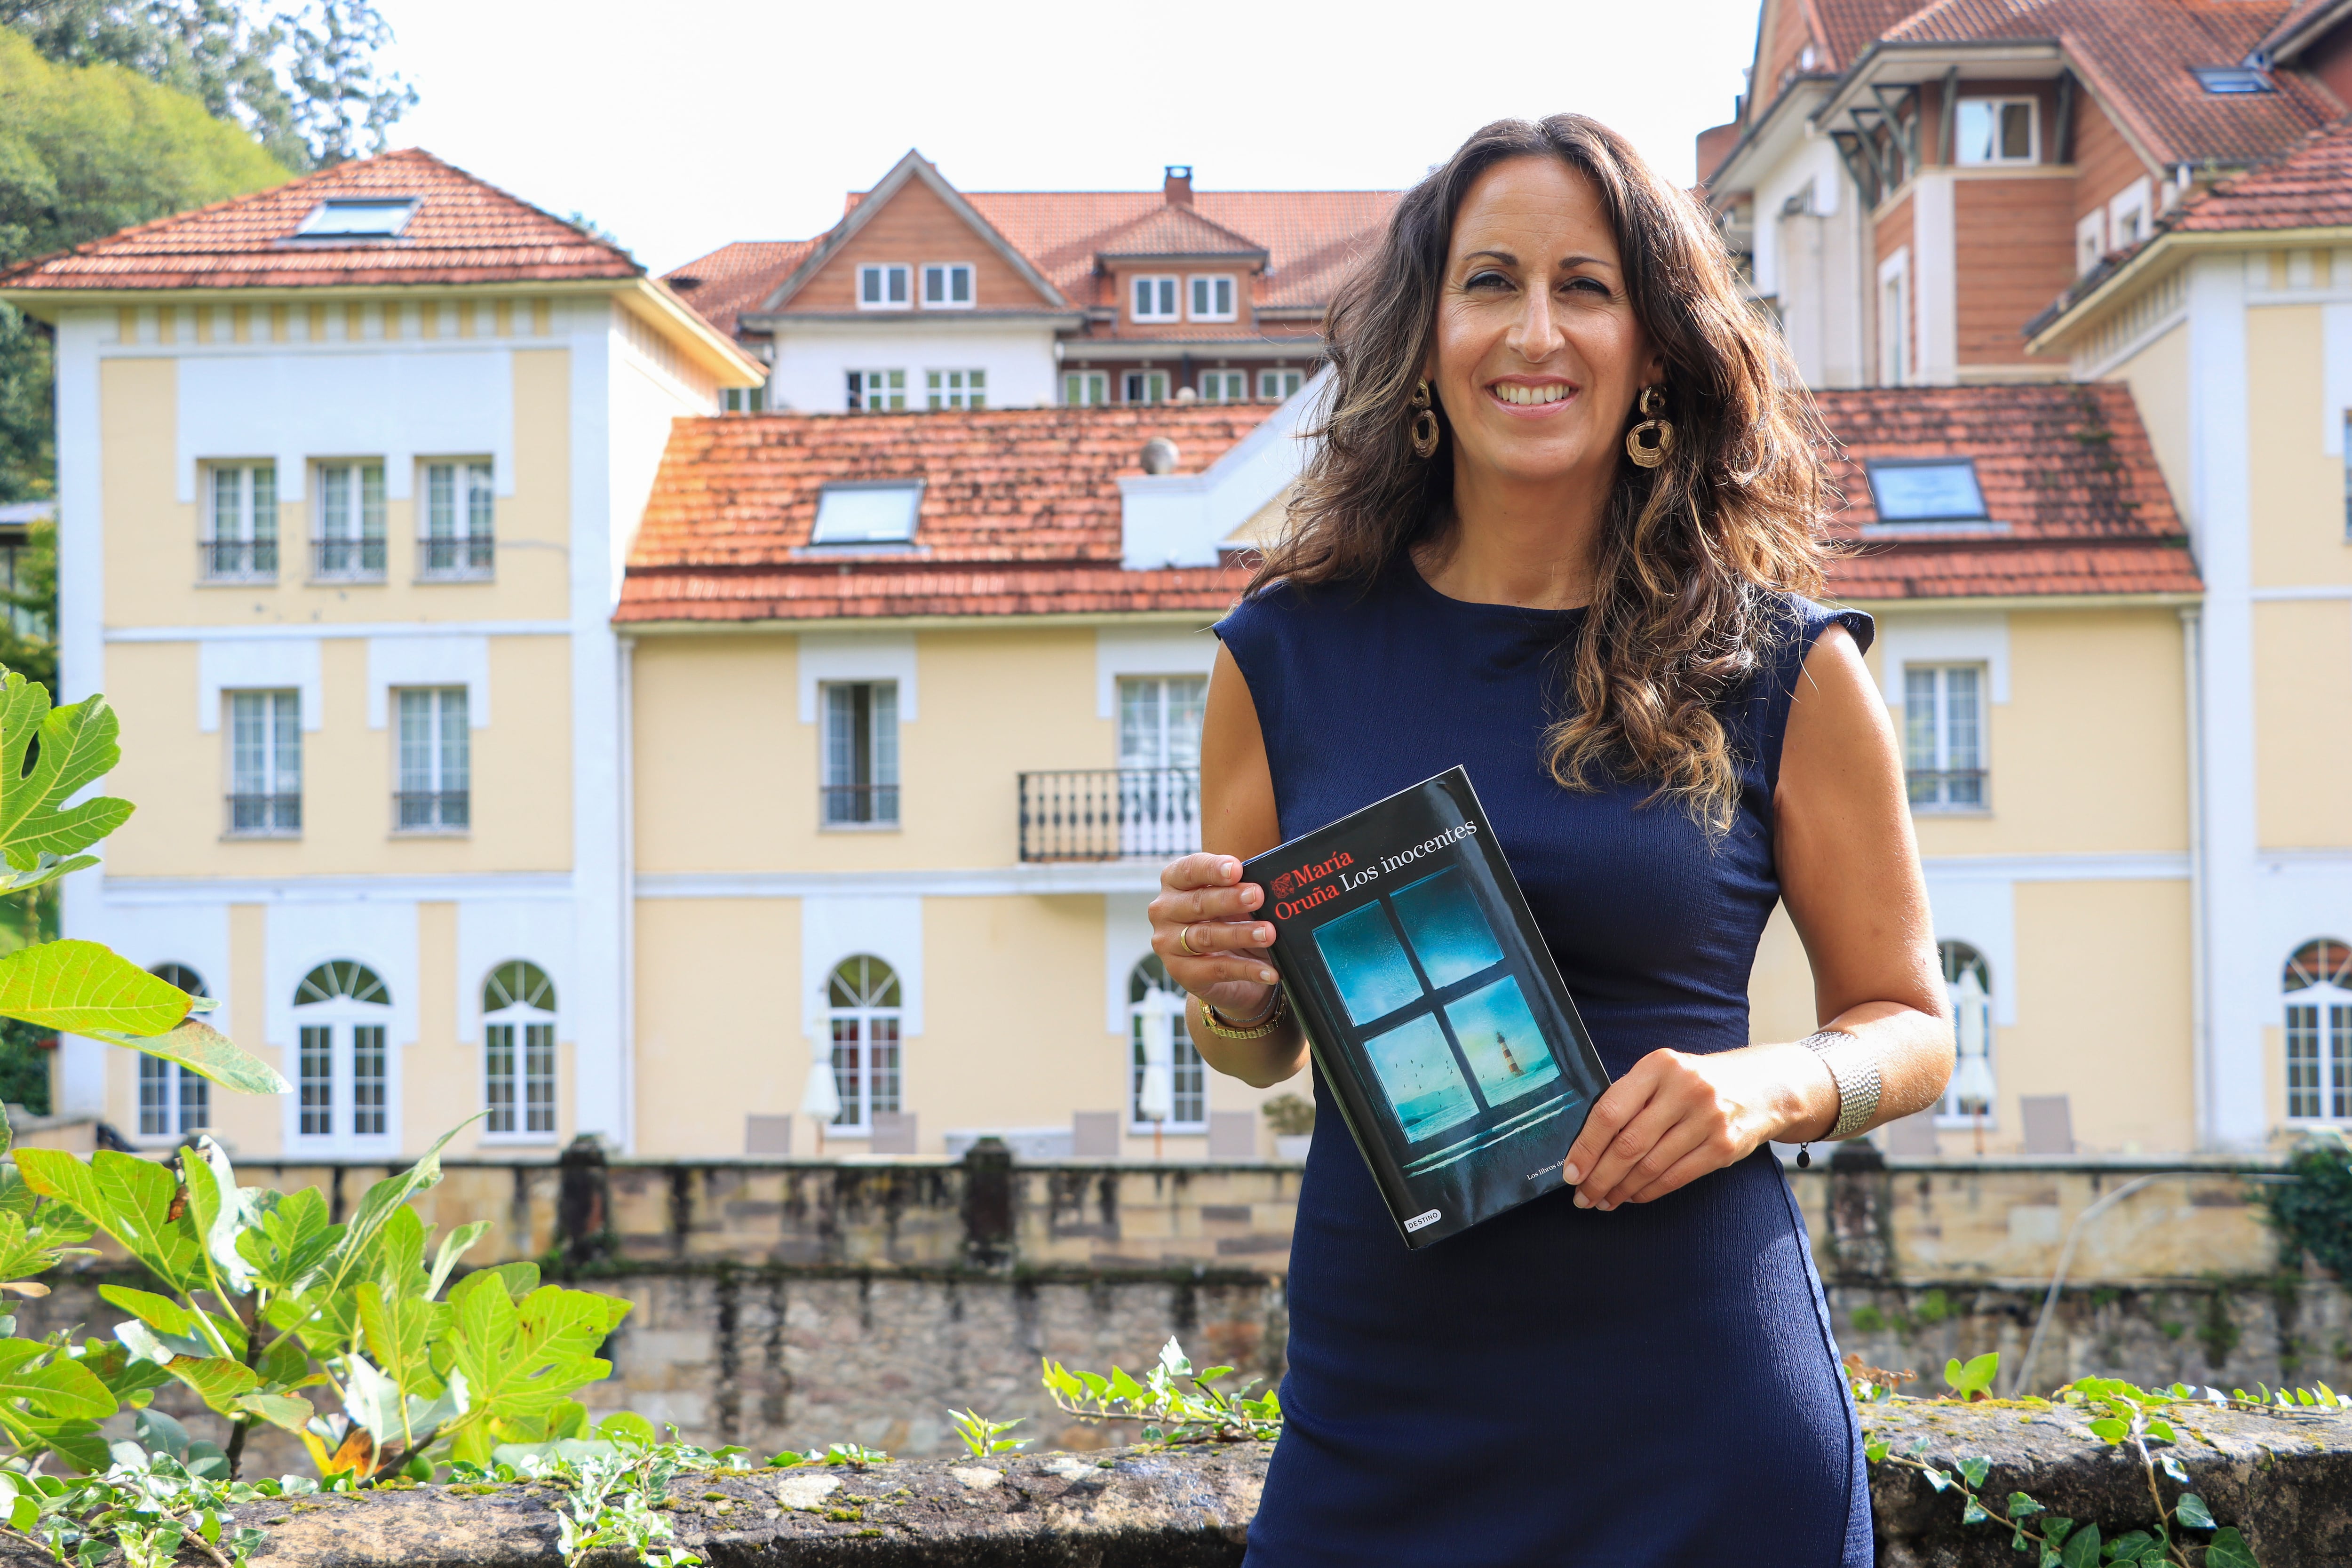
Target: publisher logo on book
(1298,881)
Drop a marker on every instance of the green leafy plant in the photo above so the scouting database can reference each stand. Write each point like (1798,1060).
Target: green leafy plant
(2313,1211)
(1172,1412)
(1973,1380)
(1290,1115)
(983,1437)
(850,1453)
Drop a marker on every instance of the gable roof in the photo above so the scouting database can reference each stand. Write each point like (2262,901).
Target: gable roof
(2067,473)
(913,166)
(2135,55)
(1175,230)
(735,277)
(464,230)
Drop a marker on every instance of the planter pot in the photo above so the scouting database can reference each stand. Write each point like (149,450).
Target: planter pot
(1289,1147)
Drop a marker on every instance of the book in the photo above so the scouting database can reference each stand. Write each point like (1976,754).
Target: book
(1431,1005)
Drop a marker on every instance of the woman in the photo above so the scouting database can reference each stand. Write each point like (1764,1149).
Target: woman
(1559,529)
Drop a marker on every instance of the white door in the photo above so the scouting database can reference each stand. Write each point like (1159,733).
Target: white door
(1159,764)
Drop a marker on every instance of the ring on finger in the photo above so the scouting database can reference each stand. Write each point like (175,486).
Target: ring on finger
(1184,941)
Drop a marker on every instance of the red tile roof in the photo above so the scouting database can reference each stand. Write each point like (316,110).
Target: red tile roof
(2137,55)
(1175,230)
(735,277)
(1849,27)
(1020,510)
(2067,473)
(2310,187)
(464,231)
(1020,515)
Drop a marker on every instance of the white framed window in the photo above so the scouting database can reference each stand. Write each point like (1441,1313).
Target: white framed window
(1972,1096)
(1943,736)
(174,1101)
(1894,319)
(435,792)
(264,764)
(240,542)
(1273,385)
(1152,298)
(2129,219)
(883,286)
(743,400)
(2090,241)
(862,1006)
(861,755)
(1997,131)
(518,1052)
(1144,386)
(877,391)
(2348,476)
(2318,985)
(947,286)
(1085,388)
(1160,763)
(349,508)
(1187,1086)
(1212,297)
(457,543)
(956,388)
(343,1064)
(1224,386)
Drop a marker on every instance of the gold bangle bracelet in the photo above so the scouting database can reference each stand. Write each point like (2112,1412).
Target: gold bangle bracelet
(1217,1023)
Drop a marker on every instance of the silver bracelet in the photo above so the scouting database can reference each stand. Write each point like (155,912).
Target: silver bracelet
(1853,1067)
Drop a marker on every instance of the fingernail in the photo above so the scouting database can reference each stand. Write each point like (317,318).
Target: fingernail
(1266,975)
(1264,935)
(1570,1174)
(1252,898)
(1582,1202)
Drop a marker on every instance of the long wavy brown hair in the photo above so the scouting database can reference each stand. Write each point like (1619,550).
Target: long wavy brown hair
(1693,554)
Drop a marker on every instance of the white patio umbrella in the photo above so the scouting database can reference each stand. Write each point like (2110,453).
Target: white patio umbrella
(1156,1100)
(821,1098)
(1972,1081)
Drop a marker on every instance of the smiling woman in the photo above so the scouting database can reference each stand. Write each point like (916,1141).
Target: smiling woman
(1559,532)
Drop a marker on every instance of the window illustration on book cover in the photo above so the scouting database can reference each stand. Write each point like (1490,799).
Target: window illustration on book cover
(1433,1007)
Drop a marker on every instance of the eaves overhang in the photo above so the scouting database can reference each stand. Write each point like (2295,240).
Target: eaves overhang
(1886,64)
(1771,131)
(2284,47)
(2157,256)
(1254,259)
(779,323)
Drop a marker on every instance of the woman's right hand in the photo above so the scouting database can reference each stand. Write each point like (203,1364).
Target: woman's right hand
(1204,929)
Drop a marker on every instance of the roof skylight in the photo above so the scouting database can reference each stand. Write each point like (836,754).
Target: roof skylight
(356,217)
(867,512)
(2230,78)
(1926,489)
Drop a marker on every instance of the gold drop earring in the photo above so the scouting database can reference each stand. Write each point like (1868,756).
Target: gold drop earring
(1424,422)
(1649,442)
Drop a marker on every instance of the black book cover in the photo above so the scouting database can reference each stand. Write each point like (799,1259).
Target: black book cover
(1433,1007)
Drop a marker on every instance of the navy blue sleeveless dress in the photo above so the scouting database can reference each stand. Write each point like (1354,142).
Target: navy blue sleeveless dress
(1655,1386)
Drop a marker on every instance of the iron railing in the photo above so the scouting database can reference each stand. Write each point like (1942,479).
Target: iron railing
(1961,789)
(1110,813)
(432,811)
(264,816)
(849,806)
(456,559)
(237,559)
(347,560)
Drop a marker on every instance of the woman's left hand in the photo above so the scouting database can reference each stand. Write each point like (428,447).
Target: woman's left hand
(1675,1117)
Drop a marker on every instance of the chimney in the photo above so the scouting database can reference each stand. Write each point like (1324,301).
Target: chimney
(1176,188)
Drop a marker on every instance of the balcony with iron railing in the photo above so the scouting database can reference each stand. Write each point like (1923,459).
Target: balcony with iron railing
(467,559)
(264,816)
(1110,813)
(237,559)
(347,561)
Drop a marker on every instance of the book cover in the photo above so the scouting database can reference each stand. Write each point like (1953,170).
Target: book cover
(1433,1007)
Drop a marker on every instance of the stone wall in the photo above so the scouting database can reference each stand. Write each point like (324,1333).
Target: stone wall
(794,1304)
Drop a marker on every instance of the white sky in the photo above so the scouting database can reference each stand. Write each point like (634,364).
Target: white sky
(680,128)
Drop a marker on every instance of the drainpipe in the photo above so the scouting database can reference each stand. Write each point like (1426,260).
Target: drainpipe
(627,771)
(2200,1040)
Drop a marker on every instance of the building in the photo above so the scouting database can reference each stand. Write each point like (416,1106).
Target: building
(347,471)
(925,298)
(2129,203)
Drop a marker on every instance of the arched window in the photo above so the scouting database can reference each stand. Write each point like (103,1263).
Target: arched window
(173,1101)
(343,1067)
(1967,979)
(862,997)
(2318,986)
(519,1051)
(1188,1077)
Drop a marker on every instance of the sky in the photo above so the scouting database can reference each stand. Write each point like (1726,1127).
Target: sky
(680,128)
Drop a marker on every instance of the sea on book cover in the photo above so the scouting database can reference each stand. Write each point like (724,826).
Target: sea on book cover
(1433,1009)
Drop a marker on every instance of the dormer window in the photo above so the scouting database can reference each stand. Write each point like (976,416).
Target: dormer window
(947,286)
(1155,300)
(1213,297)
(1926,489)
(357,217)
(2229,81)
(882,286)
(867,512)
(1996,131)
